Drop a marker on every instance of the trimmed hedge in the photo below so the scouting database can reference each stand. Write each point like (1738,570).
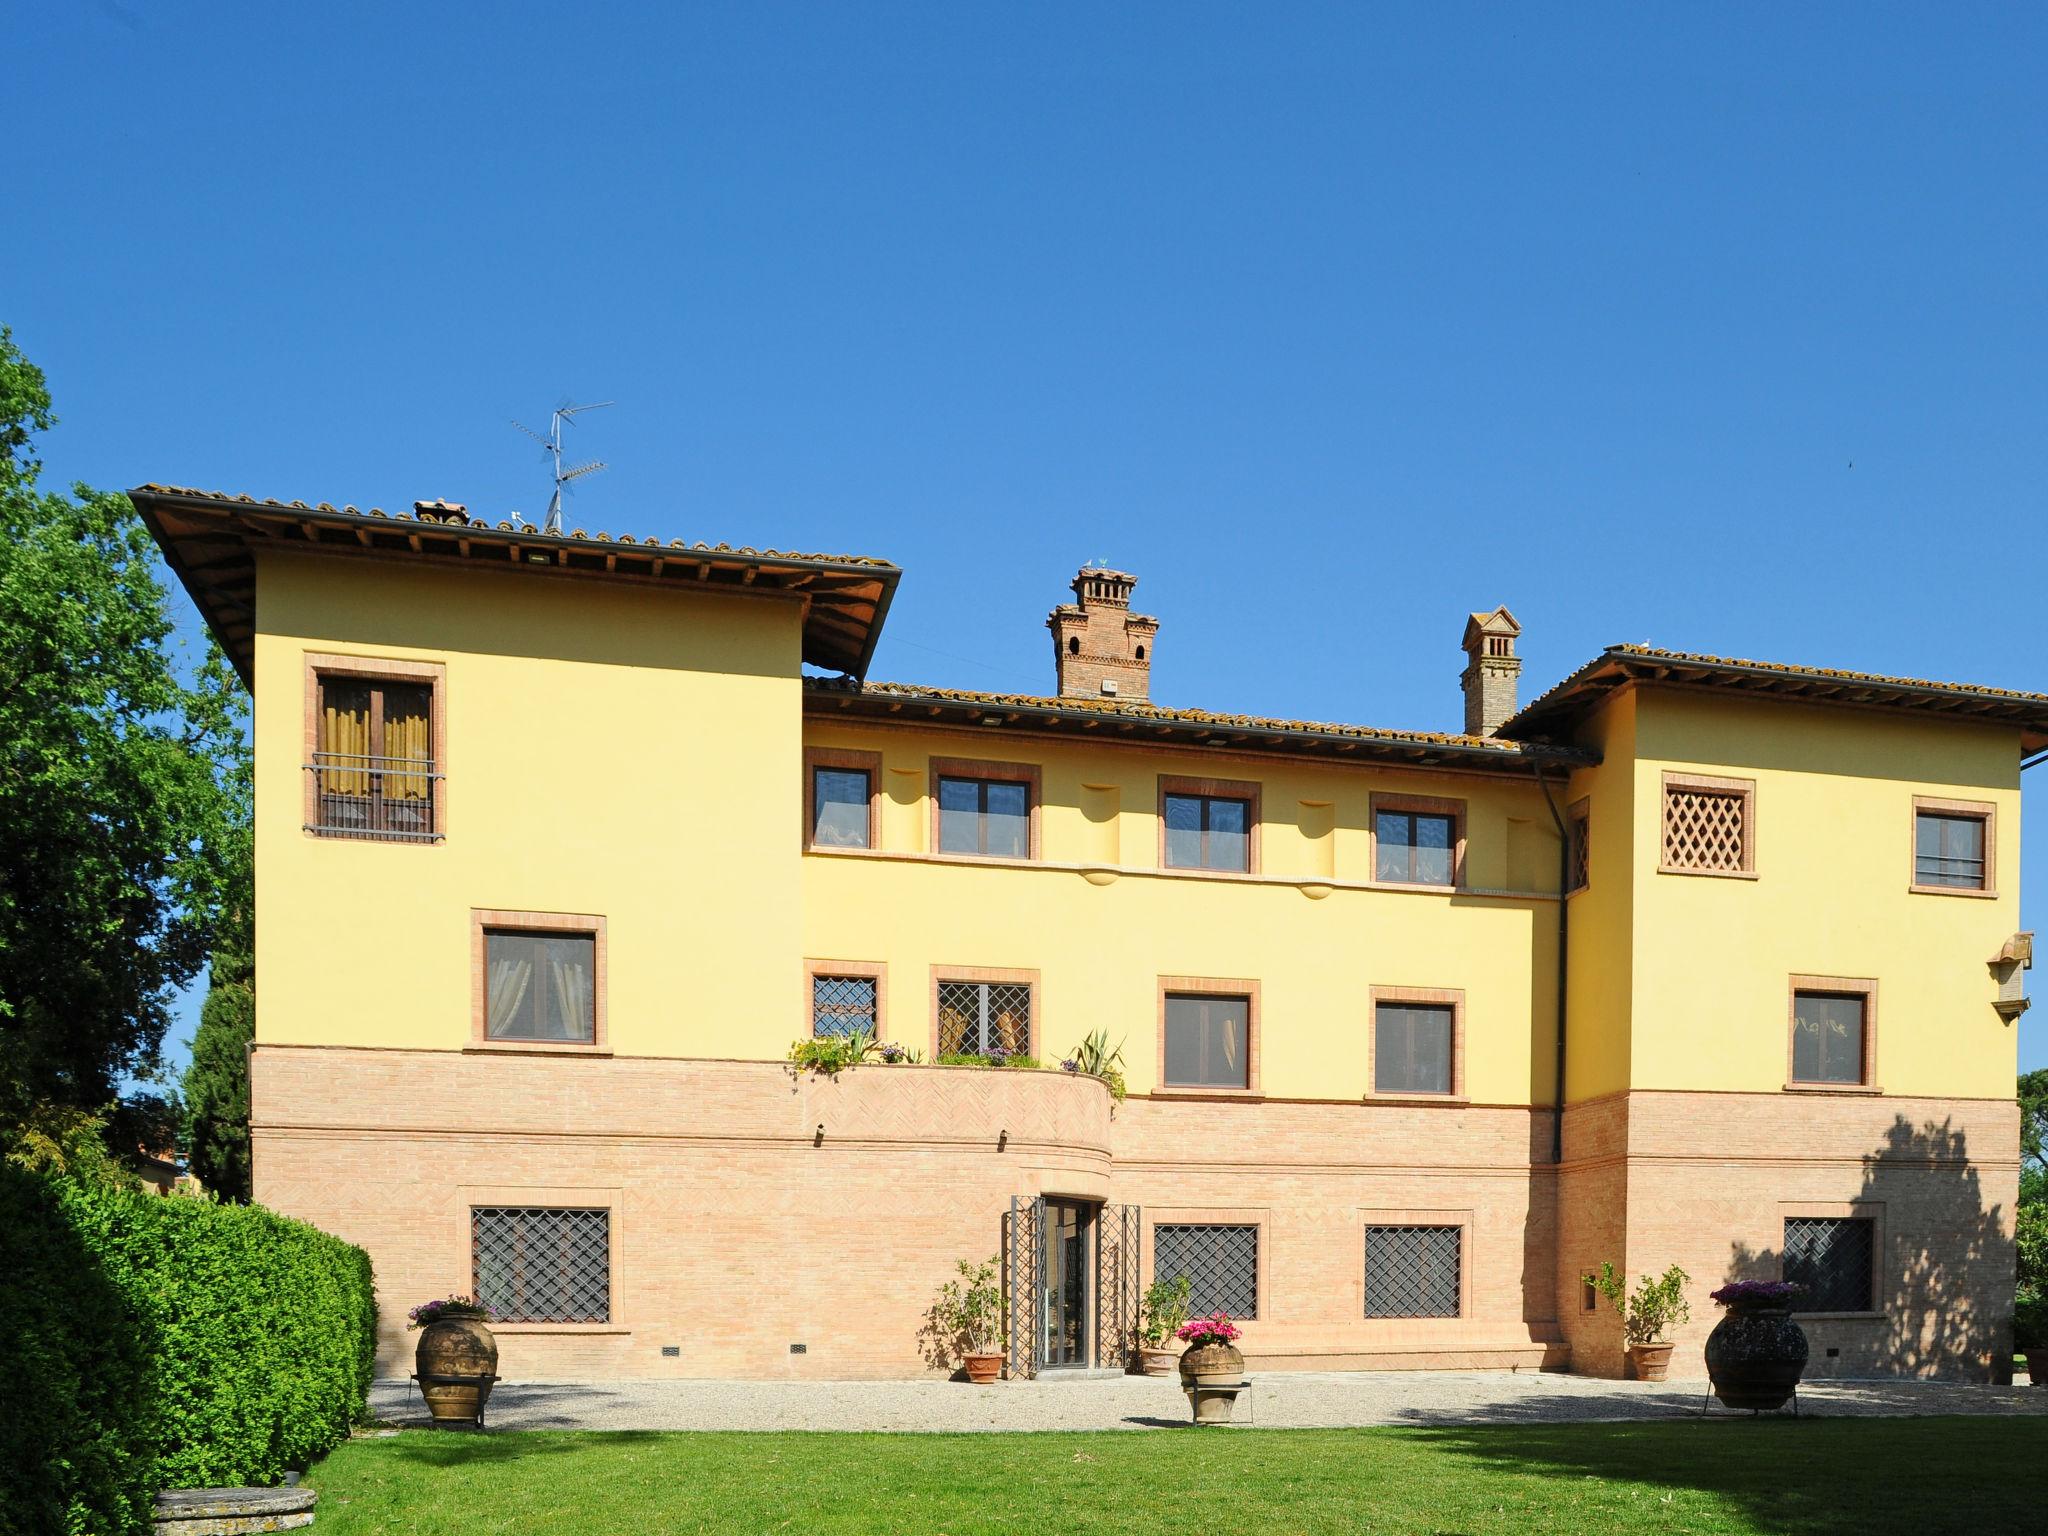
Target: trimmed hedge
(182,1343)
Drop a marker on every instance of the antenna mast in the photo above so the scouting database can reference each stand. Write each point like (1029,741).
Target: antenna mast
(551,445)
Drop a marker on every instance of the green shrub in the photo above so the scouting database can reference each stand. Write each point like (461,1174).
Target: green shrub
(163,1342)
(76,1447)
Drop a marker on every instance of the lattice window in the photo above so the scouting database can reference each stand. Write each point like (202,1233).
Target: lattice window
(1221,1263)
(1707,825)
(1412,1271)
(842,1005)
(984,1018)
(542,1264)
(1833,1257)
(1581,827)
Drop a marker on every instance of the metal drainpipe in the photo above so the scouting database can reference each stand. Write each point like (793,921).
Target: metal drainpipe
(1564,933)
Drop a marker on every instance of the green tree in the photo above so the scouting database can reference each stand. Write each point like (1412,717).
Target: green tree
(118,801)
(2033,1096)
(216,1085)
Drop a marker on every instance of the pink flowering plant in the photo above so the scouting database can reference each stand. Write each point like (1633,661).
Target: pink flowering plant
(1758,1293)
(449,1306)
(1216,1328)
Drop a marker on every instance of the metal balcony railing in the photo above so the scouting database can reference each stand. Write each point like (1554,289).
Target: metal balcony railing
(388,799)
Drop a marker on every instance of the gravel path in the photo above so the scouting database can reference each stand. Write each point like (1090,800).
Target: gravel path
(1306,1399)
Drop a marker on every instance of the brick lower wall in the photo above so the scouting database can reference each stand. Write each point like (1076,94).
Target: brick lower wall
(754,1208)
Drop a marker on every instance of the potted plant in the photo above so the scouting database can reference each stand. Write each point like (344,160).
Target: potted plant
(1163,1310)
(1211,1369)
(2030,1333)
(457,1357)
(969,1316)
(1756,1353)
(1647,1317)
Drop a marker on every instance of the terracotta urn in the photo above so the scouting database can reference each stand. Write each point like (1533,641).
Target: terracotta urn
(1756,1355)
(457,1362)
(1154,1361)
(1650,1362)
(984,1367)
(1212,1375)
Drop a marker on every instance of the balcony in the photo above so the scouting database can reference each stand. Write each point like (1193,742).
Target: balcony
(380,799)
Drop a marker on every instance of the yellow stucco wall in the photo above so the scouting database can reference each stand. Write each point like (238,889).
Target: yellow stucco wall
(1597,1057)
(1100,923)
(610,750)
(1713,958)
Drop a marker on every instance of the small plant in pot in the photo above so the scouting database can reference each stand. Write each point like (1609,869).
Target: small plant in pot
(968,1315)
(457,1357)
(1647,1317)
(1161,1312)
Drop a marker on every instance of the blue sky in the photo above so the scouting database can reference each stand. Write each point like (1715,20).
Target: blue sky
(1720,327)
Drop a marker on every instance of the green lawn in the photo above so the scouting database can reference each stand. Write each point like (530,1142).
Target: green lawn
(1861,1476)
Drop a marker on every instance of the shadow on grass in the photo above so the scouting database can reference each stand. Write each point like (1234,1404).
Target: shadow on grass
(479,1447)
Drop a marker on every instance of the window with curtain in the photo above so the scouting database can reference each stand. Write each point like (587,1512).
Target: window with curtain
(540,986)
(839,807)
(1208,1041)
(1414,847)
(373,758)
(1411,1047)
(1948,851)
(984,1018)
(1828,1037)
(1208,832)
(989,817)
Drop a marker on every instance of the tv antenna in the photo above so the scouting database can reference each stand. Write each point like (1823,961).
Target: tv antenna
(552,446)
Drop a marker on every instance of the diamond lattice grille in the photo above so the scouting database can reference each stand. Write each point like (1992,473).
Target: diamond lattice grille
(1221,1263)
(1705,829)
(842,1005)
(1831,1256)
(983,1017)
(541,1264)
(1412,1271)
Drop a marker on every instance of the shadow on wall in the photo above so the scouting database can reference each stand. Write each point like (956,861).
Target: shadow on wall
(1943,1271)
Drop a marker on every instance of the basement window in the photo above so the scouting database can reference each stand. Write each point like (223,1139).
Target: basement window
(1834,1257)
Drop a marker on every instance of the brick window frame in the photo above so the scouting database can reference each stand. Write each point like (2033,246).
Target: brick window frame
(998,975)
(1440,997)
(1743,790)
(481,921)
(1416,805)
(433,675)
(1985,811)
(989,771)
(1255,1217)
(1864,987)
(863,970)
(869,763)
(1210,986)
(1247,790)
(1872,1211)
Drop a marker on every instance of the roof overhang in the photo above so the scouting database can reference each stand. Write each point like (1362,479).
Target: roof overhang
(1145,724)
(210,541)
(1552,717)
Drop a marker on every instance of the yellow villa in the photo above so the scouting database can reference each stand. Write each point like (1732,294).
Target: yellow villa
(559,847)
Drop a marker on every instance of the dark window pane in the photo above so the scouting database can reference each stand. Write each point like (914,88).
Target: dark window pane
(542,1265)
(1008,831)
(1183,832)
(1412,1271)
(1229,835)
(841,798)
(842,1005)
(1412,1048)
(1208,1042)
(1221,1265)
(540,986)
(1414,848)
(959,816)
(1834,1257)
(1949,850)
(1827,1038)
(1392,835)
(1433,839)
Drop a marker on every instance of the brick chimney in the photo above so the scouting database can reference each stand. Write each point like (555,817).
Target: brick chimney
(1102,650)
(1492,677)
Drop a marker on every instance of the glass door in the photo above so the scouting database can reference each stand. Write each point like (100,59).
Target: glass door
(1069,1284)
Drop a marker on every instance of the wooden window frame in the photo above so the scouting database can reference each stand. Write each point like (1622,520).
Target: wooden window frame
(434,675)
(863,970)
(1246,790)
(1985,811)
(869,763)
(1436,997)
(484,919)
(988,771)
(1864,987)
(1416,805)
(1709,784)
(993,974)
(1254,1029)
